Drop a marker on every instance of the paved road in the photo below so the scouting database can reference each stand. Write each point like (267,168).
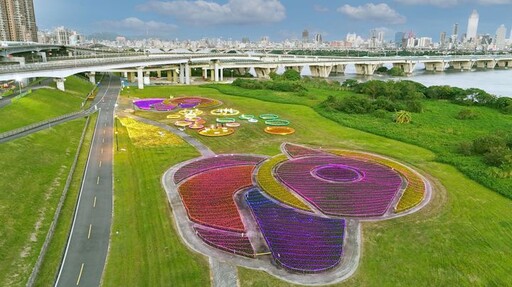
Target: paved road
(87,247)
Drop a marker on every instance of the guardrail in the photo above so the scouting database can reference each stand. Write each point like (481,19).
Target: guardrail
(6,135)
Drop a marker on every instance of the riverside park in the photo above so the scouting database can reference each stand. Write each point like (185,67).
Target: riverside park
(273,183)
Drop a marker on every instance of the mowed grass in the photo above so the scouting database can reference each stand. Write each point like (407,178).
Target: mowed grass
(50,266)
(34,170)
(44,104)
(145,248)
(463,238)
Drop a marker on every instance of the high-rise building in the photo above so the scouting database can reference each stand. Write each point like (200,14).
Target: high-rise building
(305,36)
(472,26)
(18,21)
(399,38)
(501,35)
(318,38)
(442,39)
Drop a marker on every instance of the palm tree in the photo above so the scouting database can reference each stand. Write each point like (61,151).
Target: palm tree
(403,117)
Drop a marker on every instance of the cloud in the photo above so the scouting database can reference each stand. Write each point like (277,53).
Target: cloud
(202,12)
(373,12)
(321,9)
(137,25)
(450,3)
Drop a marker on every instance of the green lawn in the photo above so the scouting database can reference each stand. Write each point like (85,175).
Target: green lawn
(145,249)
(44,104)
(52,260)
(463,238)
(34,171)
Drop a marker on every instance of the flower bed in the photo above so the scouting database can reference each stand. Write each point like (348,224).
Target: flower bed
(272,187)
(195,102)
(208,196)
(216,131)
(232,242)
(217,162)
(299,242)
(283,131)
(372,195)
(296,151)
(144,135)
(413,194)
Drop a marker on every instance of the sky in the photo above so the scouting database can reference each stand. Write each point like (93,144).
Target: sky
(276,19)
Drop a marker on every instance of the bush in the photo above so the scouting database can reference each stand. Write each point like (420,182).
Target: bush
(465,148)
(381,114)
(414,106)
(291,75)
(384,103)
(352,105)
(487,143)
(467,114)
(498,156)
(396,72)
(382,70)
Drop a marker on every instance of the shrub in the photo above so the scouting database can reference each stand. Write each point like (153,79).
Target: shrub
(382,70)
(414,106)
(402,117)
(355,105)
(396,72)
(487,143)
(466,114)
(465,148)
(291,75)
(384,103)
(498,156)
(381,114)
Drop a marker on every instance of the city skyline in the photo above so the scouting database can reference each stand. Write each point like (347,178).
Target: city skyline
(278,20)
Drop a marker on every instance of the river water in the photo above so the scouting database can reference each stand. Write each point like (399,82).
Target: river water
(497,82)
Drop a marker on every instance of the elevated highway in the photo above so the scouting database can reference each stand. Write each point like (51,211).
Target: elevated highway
(178,66)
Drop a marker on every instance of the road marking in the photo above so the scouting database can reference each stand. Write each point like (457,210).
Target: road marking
(101,150)
(98,180)
(80,275)
(94,203)
(100,163)
(104,131)
(105,124)
(103,140)
(90,229)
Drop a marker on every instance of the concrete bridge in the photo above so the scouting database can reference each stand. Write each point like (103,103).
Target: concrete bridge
(178,67)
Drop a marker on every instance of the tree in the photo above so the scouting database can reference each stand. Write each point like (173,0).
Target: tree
(291,75)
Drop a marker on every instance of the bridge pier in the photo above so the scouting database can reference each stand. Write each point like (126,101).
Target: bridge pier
(407,67)
(462,65)
(205,73)
(140,78)
(216,71)
(243,71)
(182,74)
(92,77)
(295,68)
(366,69)
(505,64)
(60,84)
(147,79)
(188,73)
(435,66)
(339,69)
(486,64)
(264,72)
(320,71)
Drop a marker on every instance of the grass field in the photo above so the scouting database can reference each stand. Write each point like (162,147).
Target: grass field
(44,104)
(461,239)
(34,170)
(51,263)
(145,249)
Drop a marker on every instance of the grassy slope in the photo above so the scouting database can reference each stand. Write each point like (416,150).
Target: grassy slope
(51,263)
(43,104)
(145,248)
(462,238)
(34,170)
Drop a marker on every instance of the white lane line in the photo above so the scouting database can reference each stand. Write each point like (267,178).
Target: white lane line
(103,140)
(90,229)
(98,180)
(101,150)
(80,275)
(100,163)
(104,131)
(94,203)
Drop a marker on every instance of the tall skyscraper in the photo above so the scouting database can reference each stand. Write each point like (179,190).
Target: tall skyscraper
(18,21)
(305,36)
(501,35)
(472,26)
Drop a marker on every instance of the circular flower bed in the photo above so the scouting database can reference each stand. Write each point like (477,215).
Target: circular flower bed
(225,120)
(246,117)
(195,102)
(269,117)
(216,131)
(279,130)
(182,123)
(277,122)
(225,112)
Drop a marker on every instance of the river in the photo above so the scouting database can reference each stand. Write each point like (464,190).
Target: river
(497,82)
